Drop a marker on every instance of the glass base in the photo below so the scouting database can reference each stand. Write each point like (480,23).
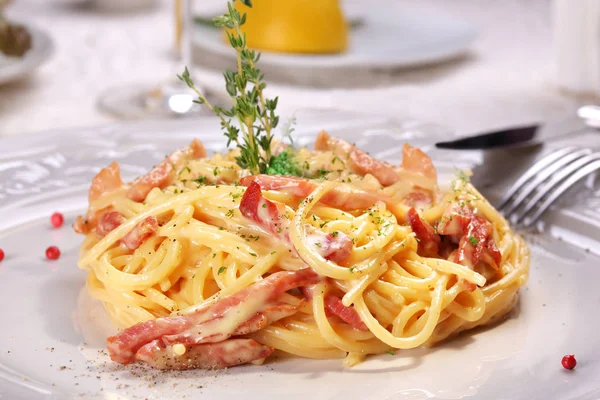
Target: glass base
(145,101)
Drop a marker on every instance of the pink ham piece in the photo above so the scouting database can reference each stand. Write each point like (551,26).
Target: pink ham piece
(346,314)
(360,162)
(157,177)
(428,240)
(335,246)
(418,198)
(123,347)
(108,222)
(339,197)
(272,312)
(220,355)
(269,215)
(140,233)
(106,181)
(455,221)
(478,244)
(161,175)
(335,307)
(473,234)
(416,161)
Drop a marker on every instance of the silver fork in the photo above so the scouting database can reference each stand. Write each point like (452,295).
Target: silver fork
(544,182)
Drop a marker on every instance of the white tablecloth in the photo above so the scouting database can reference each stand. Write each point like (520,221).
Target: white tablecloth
(506,79)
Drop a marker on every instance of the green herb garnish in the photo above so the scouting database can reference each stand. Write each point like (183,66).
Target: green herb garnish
(221,270)
(462,175)
(473,240)
(254,113)
(284,163)
(201,180)
(321,172)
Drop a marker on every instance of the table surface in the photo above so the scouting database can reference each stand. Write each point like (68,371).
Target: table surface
(506,79)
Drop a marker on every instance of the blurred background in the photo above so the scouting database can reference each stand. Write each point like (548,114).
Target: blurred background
(470,65)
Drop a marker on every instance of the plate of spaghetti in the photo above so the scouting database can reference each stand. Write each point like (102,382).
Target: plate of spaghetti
(339,281)
(350,256)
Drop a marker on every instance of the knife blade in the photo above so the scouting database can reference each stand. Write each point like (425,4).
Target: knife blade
(523,136)
(497,139)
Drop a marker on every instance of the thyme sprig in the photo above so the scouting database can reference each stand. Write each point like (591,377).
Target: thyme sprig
(254,112)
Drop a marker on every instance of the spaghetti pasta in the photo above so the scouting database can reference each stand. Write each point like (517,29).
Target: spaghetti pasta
(209,266)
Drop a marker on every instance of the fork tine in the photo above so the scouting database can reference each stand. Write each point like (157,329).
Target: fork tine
(544,174)
(533,170)
(573,179)
(554,181)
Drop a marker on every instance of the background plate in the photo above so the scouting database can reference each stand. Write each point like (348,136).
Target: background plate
(52,333)
(13,68)
(388,37)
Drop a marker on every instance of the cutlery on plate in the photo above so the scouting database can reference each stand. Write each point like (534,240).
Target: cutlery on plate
(527,135)
(545,182)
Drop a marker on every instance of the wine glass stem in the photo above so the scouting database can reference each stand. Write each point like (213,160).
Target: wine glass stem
(183,33)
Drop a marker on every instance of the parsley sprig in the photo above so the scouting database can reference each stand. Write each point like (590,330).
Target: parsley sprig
(254,112)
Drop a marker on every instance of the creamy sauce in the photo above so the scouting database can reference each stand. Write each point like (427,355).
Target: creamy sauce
(233,317)
(179,349)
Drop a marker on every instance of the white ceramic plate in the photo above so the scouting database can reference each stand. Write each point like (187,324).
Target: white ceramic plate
(13,68)
(52,334)
(389,37)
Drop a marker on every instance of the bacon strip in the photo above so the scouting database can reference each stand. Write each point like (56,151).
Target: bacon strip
(108,222)
(157,177)
(207,356)
(455,221)
(81,225)
(266,213)
(334,306)
(106,181)
(416,161)
(339,197)
(140,233)
(477,240)
(473,234)
(419,198)
(270,313)
(162,174)
(123,346)
(346,314)
(428,240)
(270,216)
(336,246)
(360,162)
